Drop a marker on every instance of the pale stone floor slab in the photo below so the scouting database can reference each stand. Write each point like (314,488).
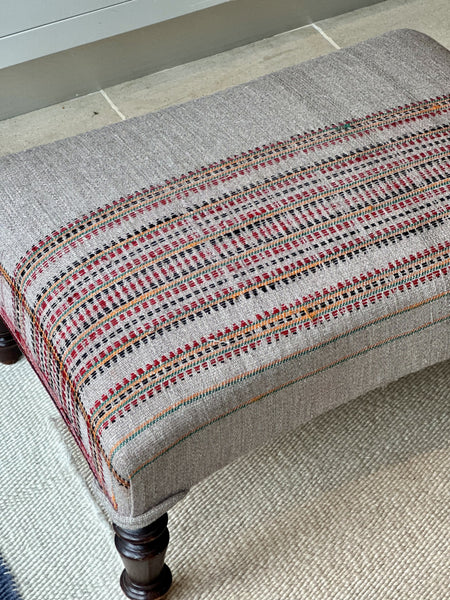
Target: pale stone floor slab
(205,76)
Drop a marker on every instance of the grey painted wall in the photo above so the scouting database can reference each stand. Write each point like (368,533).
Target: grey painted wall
(60,76)
(30,29)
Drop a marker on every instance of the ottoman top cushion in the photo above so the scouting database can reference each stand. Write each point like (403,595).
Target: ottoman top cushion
(280,229)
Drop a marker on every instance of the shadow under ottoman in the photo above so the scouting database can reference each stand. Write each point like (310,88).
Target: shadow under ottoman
(287,251)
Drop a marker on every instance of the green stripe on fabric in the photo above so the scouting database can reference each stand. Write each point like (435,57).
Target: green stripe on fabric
(286,385)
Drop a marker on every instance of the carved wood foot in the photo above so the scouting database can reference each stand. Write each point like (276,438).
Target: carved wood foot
(145,577)
(9,350)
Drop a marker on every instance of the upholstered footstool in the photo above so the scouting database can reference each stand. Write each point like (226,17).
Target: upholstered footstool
(287,249)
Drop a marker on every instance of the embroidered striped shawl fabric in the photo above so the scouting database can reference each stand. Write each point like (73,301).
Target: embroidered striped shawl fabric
(170,313)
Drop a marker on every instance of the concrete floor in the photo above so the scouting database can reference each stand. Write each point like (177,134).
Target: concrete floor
(214,73)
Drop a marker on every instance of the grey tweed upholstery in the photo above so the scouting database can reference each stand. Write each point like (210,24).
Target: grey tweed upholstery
(286,250)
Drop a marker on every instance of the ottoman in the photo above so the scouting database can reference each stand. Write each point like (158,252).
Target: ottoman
(192,283)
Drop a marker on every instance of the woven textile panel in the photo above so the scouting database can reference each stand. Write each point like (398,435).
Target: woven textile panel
(265,271)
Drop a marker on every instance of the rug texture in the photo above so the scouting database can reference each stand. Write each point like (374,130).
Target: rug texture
(352,505)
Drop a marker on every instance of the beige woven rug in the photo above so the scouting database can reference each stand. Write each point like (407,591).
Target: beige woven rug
(353,505)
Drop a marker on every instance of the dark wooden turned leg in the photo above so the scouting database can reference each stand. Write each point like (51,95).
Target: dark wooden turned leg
(145,577)
(9,350)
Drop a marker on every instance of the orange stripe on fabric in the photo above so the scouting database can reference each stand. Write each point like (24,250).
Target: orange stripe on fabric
(263,322)
(287,238)
(266,282)
(130,398)
(256,337)
(193,397)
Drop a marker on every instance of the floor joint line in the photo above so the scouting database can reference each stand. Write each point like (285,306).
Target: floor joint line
(112,105)
(326,36)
